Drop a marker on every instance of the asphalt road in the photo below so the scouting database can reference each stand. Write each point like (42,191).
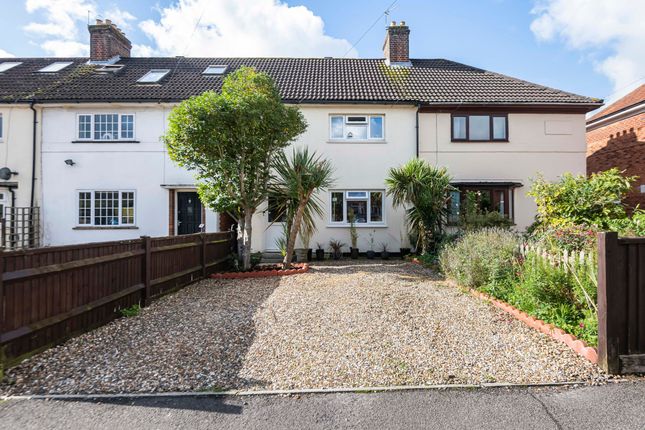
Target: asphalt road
(613,406)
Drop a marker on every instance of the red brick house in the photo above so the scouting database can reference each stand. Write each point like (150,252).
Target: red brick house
(616,138)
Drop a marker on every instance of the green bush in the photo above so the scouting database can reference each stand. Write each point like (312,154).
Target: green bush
(481,257)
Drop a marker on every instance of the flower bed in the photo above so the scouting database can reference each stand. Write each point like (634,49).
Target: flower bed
(263,271)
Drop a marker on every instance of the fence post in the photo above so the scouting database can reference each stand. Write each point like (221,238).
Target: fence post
(202,236)
(610,312)
(147,267)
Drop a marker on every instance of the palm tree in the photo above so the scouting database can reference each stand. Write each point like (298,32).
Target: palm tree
(424,190)
(295,183)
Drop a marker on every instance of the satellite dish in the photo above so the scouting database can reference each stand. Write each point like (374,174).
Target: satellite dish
(6,173)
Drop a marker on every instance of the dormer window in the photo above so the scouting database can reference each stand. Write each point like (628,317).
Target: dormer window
(109,68)
(215,69)
(357,127)
(153,76)
(8,65)
(55,67)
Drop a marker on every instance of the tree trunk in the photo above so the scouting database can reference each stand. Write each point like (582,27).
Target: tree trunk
(248,230)
(293,234)
(240,240)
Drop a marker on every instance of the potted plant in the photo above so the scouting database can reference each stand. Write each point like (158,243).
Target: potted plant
(405,245)
(353,234)
(336,249)
(371,253)
(320,251)
(385,255)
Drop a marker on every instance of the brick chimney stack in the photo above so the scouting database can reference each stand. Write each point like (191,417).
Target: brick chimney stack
(107,41)
(396,47)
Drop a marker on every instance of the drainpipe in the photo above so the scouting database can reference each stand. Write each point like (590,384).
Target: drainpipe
(33,154)
(417,129)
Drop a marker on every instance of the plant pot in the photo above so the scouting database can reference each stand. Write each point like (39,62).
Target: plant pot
(354,253)
(320,254)
(404,252)
(309,254)
(336,255)
(385,255)
(370,255)
(301,254)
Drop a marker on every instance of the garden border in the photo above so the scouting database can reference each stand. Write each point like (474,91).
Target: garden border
(300,268)
(580,347)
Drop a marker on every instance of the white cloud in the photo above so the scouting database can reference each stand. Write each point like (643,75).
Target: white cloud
(5,54)
(62,31)
(611,32)
(241,28)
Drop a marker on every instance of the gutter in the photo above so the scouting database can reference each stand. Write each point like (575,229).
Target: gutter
(33,154)
(616,116)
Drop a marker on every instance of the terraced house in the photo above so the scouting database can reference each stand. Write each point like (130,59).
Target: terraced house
(105,173)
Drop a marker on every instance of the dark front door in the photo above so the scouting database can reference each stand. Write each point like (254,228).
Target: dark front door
(189,213)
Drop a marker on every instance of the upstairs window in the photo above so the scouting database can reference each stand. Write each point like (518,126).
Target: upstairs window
(106,208)
(153,76)
(215,69)
(55,67)
(367,207)
(356,127)
(479,128)
(8,65)
(106,126)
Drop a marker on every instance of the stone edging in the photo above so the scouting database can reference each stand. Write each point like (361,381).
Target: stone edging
(556,333)
(581,348)
(299,268)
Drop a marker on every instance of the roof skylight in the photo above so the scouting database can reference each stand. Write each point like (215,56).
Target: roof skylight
(55,67)
(8,65)
(215,69)
(153,76)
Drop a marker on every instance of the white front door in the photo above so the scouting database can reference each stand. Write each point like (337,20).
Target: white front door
(275,229)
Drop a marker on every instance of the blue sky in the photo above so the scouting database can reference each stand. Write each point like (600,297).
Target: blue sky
(580,46)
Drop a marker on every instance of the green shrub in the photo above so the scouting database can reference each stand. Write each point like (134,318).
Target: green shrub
(481,257)
(569,238)
(132,311)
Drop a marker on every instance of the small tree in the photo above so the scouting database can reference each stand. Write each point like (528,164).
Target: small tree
(296,182)
(229,140)
(424,190)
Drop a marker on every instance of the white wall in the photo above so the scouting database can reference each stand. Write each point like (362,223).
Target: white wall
(143,167)
(530,150)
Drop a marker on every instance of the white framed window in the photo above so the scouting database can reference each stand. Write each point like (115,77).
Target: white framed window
(153,76)
(357,127)
(367,206)
(106,208)
(215,69)
(105,127)
(55,67)
(4,66)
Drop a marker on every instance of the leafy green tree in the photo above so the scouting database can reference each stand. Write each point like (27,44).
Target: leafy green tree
(296,181)
(229,140)
(424,190)
(578,200)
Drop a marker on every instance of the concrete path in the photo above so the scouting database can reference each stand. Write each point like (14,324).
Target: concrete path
(613,406)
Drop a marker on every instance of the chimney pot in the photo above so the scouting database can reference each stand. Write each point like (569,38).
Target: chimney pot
(107,41)
(396,46)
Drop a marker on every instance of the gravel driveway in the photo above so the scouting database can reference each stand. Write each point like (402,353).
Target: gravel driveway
(346,325)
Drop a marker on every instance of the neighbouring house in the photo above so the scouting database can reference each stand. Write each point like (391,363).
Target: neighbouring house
(616,138)
(106,174)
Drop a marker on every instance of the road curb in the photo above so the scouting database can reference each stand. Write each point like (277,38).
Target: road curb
(242,393)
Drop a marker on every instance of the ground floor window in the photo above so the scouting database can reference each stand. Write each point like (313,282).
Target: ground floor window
(480,198)
(367,206)
(106,208)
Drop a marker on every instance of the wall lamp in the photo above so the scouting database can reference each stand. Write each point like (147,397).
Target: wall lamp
(69,162)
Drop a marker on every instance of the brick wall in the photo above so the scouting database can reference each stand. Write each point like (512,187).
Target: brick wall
(397,43)
(622,145)
(107,41)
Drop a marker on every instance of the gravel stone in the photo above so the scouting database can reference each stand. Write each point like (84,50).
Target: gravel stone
(342,324)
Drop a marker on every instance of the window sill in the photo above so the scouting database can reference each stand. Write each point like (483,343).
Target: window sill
(480,141)
(106,141)
(106,227)
(362,142)
(356,225)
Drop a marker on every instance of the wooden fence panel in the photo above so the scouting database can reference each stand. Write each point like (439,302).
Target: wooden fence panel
(621,303)
(50,294)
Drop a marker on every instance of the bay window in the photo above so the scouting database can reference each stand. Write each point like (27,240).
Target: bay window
(106,208)
(479,127)
(484,198)
(356,127)
(105,127)
(367,207)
